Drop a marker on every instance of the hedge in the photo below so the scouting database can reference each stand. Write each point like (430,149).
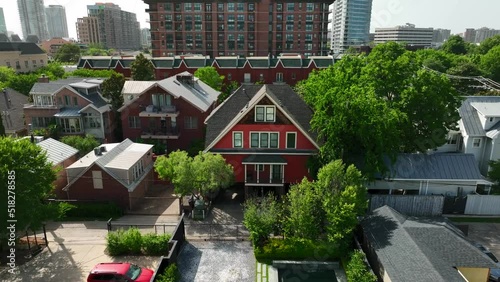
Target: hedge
(171,274)
(298,249)
(132,242)
(90,210)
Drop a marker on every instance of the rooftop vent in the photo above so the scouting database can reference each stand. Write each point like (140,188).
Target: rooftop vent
(185,78)
(97,151)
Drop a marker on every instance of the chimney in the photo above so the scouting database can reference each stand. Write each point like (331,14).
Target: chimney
(43,79)
(7,99)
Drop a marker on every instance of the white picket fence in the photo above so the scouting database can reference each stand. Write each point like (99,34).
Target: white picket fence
(483,205)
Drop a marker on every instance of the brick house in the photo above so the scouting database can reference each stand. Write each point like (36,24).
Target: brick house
(115,172)
(171,110)
(264,132)
(288,68)
(61,156)
(74,104)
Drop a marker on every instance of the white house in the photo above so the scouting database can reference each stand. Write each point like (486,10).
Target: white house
(479,130)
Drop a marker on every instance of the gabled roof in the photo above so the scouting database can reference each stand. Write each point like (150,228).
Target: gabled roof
(233,109)
(226,62)
(26,48)
(198,94)
(322,62)
(12,113)
(122,155)
(420,249)
(57,152)
(195,62)
(439,166)
(163,63)
(470,116)
(494,131)
(291,62)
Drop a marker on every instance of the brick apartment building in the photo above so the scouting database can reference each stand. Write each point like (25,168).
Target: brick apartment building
(246,28)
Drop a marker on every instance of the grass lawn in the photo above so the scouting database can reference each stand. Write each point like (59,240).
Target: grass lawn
(475,219)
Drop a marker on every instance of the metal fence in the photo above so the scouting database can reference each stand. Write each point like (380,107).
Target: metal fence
(214,231)
(412,205)
(483,205)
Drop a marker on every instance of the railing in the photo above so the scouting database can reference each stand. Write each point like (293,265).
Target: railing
(265,180)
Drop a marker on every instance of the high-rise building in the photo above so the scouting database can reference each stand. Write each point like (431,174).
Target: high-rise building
(56,21)
(33,21)
(470,35)
(248,28)
(117,29)
(146,38)
(485,33)
(351,24)
(87,30)
(440,35)
(408,34)
(3,26)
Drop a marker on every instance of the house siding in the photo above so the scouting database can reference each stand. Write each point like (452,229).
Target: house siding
(449,188)
(185,109)
(138,194)
(62,179)
(113,191)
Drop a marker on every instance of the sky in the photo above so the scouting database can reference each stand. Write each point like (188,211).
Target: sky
(456,15)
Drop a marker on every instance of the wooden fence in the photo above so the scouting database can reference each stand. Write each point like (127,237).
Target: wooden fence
(412,205)
(483,205)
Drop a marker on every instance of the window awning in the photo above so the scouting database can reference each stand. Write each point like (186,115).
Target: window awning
(264,159)
(68,112)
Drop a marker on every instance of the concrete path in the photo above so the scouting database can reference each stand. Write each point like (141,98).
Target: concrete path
(217,261)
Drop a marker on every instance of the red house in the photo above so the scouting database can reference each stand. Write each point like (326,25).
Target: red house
(171,110)
(264,132)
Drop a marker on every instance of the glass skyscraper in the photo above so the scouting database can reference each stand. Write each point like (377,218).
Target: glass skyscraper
(56,21)
(33,22)
(351,24)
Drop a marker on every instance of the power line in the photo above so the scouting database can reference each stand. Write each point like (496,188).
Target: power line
(486,83)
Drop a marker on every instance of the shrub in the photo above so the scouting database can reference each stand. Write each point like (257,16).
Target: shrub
(171,274)
(132,239)
(153,244)
(83,210)
(260,218)
(114,242)
(298,249)
(356,269)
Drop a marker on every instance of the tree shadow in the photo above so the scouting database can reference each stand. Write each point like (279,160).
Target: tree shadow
(379,230)
(188,262)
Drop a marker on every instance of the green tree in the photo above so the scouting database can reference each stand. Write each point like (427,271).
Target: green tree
(142,69)
(490,63)
(228,89)
(211,172)
(260,217)
(112,89)
(388,94)
(435,59)
(53,69)
(177,168)
(211,77)
(494,173)
(84,145)
(455,45)
(344,198)
(465,68)
(303,218)
(68,53)
(356,270)
(6,73)
(23,83)
(27,179)
(488,44)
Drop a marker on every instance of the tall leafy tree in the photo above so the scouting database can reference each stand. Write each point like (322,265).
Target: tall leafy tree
(368,107)
(211,77)
(23,83)
(112,90)
(490,63)
(177,168)
(142,69)
(27,177)
(488,44)
(260,218)
(68,53)
(455,45)
(494,173)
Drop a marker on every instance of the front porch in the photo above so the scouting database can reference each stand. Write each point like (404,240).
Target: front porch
(264,170)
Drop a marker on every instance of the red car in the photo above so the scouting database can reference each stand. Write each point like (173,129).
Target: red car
(118,271)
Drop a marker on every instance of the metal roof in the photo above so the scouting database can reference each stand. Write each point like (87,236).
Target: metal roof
(57,152)
(470,117)
(494,131)
(487,109)
(69,112)
(136,87)
(264,159)
(420,249)
(456,166)
(83,84)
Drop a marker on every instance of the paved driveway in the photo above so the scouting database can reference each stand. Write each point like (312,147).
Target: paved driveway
(488,234)
(74,249)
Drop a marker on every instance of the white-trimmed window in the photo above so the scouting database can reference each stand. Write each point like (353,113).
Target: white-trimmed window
(134,122)
(237,139)
(265,113)
(190,122)
(279,77)
(97,179)
(264,140)
(259,167)
(452,138)
(476,142)
(291,140)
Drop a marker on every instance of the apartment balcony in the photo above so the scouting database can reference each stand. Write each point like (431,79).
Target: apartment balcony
(266,181)
(162,133)
(42,107)
(165,111)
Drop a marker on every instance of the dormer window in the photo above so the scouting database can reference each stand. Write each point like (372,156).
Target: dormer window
(265,113)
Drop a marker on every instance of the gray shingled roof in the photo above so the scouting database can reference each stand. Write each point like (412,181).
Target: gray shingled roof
(12,115)
(470,117)
(290,101)
(435,166)
(57,152)
(53,86)
(420,249)
(26,48)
